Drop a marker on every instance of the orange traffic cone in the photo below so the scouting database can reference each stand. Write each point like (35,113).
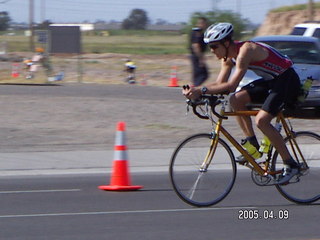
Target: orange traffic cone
(120,178)
(143,80)
(15,70)
(173,77)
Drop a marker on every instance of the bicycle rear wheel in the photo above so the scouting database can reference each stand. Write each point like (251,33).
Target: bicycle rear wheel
(194,185)
(303,188)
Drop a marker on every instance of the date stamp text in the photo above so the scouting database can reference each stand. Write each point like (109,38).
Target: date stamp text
(255,214)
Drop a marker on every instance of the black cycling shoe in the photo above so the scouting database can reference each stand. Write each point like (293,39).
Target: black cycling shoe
(291,169)
(287,174)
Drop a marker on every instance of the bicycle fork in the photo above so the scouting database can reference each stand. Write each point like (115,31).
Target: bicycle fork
(212,149)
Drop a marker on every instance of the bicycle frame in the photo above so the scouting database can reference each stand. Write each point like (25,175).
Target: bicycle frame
(203,182)
(293,144)
(262,171)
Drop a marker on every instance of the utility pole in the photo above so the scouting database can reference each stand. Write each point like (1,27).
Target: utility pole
(31,15)
(310,10)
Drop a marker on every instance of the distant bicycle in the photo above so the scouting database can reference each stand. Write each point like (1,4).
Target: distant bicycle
(203,167)
(130,68)
(32,65)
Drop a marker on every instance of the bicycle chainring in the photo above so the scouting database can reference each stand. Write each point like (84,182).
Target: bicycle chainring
(260,180)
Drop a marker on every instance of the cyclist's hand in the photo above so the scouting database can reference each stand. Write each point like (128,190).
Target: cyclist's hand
(191,92)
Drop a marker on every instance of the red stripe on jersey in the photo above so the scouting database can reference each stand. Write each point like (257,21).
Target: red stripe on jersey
(274,64)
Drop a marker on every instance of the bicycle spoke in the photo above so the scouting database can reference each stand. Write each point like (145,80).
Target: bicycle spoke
(198,185)
(194,187)
(303,188)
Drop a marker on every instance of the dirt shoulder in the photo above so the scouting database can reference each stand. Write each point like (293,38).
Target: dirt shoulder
(84,117)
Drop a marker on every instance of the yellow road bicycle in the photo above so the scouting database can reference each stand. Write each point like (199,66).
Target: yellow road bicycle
(203,167)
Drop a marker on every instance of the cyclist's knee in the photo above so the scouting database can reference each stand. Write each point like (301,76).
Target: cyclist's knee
(239,100)
(262,121)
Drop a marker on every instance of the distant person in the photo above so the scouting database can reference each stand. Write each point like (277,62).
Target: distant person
(27,65)
(33,63)
(130,68)
(197,49)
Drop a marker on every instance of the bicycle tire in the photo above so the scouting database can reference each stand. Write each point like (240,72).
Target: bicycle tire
(195,187)
(305,188)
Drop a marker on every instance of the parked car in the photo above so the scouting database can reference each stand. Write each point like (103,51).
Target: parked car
(305,53)
(307,29)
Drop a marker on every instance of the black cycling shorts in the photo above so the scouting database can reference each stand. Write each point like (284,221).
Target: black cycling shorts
(277,93)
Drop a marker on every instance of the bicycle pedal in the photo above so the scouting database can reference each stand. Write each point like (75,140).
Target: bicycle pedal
(241,160)
(297,179)
(243,163)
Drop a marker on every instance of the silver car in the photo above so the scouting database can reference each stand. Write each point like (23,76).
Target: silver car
(305,53)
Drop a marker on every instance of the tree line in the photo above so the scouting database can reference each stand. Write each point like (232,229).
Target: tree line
(138,20)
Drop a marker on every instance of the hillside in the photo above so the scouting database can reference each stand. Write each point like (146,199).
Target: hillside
(281,22)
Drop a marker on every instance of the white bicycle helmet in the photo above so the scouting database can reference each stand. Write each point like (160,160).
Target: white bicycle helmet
(218,32)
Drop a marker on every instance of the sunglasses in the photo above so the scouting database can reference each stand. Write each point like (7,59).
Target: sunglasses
(214,46)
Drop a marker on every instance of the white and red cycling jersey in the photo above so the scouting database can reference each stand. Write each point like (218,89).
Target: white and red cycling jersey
(271,67)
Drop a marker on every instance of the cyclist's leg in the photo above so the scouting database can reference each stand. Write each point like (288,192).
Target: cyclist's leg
(263,122)
(238,101)
(255,92)
(284,91)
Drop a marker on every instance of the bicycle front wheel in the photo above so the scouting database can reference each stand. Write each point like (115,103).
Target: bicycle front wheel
(193,184)
(303,188)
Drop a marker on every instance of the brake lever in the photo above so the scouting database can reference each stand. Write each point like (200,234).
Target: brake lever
(186,87)
(207,107)
(188,106)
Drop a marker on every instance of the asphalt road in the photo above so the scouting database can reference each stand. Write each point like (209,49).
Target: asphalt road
(72,207)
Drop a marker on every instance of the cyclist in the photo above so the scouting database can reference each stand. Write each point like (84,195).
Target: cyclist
(33,64)
(130,68)
(278,87)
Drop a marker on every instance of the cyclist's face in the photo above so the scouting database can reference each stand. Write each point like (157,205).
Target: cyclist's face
(217,49)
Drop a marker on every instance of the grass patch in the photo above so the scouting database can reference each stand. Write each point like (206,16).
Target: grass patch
(127,42)
(153,44)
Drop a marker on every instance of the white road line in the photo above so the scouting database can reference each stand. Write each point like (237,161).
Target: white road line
(123,212)
(40,191)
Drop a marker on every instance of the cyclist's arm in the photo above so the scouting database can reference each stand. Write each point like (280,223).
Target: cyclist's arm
(241,67)
(225,71)
(223,85)
(219,86)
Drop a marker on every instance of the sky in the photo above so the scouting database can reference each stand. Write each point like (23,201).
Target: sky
(173,11)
